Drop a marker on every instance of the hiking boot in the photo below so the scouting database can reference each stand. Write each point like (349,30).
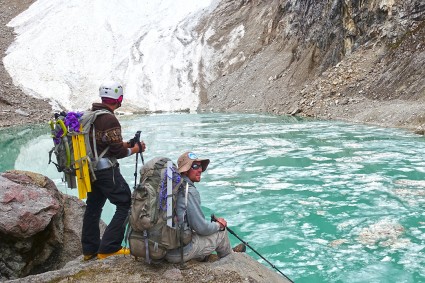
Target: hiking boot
(210,258)
(89,257)
(241,248)
(122,251)
(213,257)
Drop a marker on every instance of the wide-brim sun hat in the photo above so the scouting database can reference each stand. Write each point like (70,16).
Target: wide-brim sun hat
(186,159)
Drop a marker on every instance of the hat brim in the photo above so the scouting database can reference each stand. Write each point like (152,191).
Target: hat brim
(186,167)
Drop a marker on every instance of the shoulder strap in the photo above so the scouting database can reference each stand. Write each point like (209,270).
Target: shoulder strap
(185,195)
(181,230)
(90,116)
(88,123)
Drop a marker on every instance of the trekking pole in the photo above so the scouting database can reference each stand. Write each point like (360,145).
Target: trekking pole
(134,140)
(135,171)
(143,162)
(213,218)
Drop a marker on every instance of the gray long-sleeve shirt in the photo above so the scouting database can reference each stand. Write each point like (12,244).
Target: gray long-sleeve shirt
(194,214)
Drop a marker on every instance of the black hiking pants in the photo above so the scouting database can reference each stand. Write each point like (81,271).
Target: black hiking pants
(110,185)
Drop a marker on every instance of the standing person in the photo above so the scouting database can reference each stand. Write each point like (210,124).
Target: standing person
(109,183)
(207,236)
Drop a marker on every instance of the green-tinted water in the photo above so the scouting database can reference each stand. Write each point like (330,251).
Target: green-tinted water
(323,201)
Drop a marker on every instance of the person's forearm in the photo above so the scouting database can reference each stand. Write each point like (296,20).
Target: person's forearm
(197,219)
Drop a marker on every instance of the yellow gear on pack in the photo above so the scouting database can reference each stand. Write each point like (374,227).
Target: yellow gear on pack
(73,150)
(81,165)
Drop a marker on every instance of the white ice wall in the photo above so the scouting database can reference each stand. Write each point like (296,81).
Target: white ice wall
(65,49)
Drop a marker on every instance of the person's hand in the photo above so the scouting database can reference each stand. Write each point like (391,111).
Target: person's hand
(131,143)
(142,143)
(135,148)
(222,223)
(127,144)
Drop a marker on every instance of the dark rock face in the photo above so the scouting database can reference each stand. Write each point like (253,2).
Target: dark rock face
(360,61)
(40,227)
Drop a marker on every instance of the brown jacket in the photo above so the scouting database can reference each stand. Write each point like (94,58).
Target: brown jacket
(108,133)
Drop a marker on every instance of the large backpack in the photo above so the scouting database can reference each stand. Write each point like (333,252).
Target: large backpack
(153,221)
(73,150)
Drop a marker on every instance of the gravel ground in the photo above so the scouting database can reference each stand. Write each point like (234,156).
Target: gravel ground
(237,267)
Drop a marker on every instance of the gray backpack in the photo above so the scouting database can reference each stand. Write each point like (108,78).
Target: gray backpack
(153,222)
(69,129)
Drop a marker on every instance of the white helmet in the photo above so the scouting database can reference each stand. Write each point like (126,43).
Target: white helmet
(110,89)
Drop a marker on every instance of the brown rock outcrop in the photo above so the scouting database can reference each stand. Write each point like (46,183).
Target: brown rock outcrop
(38,227)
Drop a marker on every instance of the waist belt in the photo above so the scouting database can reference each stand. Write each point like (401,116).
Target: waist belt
(105,163)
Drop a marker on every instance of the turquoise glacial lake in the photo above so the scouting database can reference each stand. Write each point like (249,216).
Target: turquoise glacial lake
(322,201)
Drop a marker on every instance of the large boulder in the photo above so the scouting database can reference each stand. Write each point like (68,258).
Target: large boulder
(38,227)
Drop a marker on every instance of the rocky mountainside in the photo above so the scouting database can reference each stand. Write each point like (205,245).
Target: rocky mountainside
(360,61)
(16,108)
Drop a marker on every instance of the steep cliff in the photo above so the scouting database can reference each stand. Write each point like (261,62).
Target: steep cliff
(353,60)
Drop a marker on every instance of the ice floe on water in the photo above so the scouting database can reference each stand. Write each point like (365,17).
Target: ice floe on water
(384,233)
(337,242)
(411,183)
